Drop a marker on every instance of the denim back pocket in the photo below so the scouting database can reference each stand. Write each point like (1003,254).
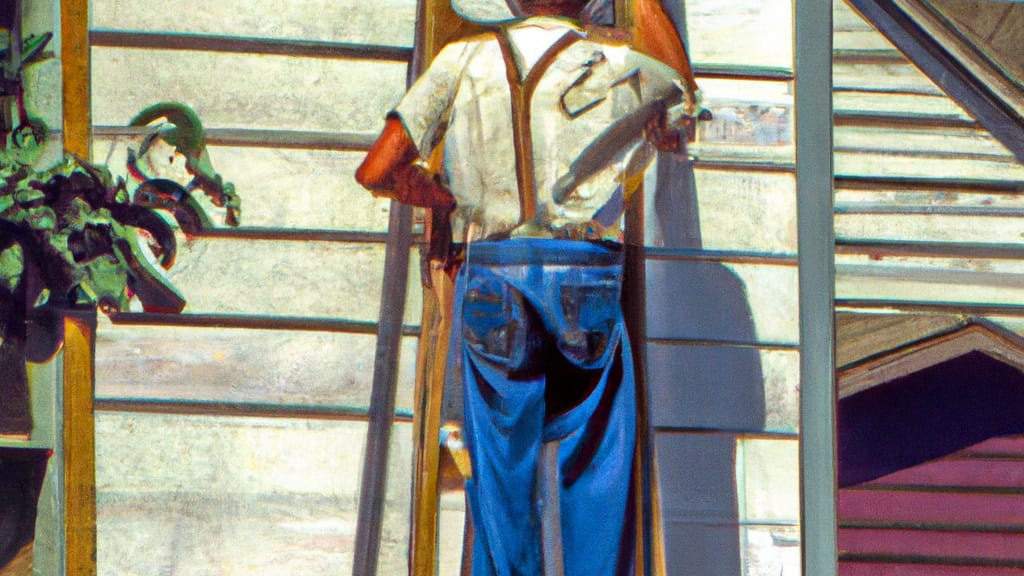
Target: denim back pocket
(499,323)
(590,313)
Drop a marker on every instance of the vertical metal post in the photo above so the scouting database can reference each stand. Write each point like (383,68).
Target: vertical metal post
(814,178)
(382,395)
(78,438)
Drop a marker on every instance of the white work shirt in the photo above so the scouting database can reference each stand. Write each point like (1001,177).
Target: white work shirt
(463,101)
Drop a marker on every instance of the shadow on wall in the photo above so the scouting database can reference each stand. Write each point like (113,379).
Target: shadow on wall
(698,390)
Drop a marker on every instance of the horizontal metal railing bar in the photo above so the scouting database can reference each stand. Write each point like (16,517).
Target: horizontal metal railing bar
(240,409)
(259,138)
(742,72)
(722,342)
(246,44)
(919,183)
(964,308)
(710,162)
(867,208)
(295,234)
(252,322)
(731,256)
(930,249)
(745,433)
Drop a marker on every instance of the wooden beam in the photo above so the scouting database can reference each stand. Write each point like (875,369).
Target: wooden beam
(437,23)
(79,445)
(74,54)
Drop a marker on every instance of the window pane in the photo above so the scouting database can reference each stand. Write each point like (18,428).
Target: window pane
(206,495)
(747,32)
(747,210)
(387,22)
(257,366)
(246,90)
(768,474)
(734,302)
(771,550)
(724,387)
(327,279)
(394,542)
(752,120)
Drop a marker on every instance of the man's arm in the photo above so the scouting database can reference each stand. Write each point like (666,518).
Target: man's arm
(655,35)
(390,170)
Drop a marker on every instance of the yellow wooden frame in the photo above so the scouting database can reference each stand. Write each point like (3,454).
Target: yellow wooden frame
(79,446)
(78,379)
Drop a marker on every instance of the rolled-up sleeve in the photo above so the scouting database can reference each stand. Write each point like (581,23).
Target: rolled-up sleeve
(425,109)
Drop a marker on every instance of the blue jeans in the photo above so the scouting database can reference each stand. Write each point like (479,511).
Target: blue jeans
(540,344)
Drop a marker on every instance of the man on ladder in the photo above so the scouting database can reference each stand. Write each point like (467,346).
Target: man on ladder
(546,132)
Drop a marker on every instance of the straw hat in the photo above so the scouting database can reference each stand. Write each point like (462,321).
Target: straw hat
(488,11)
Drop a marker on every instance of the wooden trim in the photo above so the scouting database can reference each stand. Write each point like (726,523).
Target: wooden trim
(1005,347)
(436,24)
(430,378)
(74,54)
(79,446)
(965,308)
(79,330)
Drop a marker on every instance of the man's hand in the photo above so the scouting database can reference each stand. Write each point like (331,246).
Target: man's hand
(666,137)
(390,170)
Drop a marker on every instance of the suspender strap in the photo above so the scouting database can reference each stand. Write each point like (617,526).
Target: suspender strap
(521,91)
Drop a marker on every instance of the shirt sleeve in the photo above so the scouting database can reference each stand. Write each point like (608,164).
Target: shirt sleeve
(426,107)
(658,81)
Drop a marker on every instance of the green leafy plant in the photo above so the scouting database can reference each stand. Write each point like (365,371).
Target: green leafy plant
(72,234)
